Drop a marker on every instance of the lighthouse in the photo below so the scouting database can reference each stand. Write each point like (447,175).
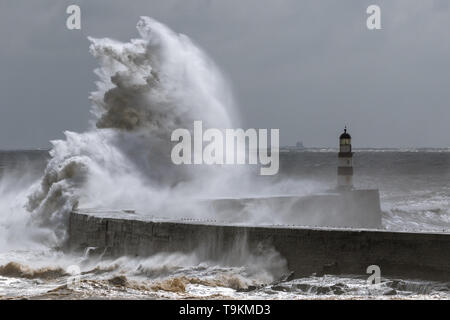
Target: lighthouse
(345,165)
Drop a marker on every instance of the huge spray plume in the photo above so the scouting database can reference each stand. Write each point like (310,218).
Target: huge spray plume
(147,88)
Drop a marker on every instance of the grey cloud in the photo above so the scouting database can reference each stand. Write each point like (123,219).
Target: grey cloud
(306,67)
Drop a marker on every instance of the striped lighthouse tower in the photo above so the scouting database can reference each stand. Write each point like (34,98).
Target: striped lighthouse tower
(345,165)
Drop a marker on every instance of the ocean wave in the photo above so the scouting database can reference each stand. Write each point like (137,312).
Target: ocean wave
(17,270)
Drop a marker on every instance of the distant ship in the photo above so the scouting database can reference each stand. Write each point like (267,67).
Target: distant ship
(298,147)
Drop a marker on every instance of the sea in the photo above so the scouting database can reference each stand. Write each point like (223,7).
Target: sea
(415,195)
(145,89)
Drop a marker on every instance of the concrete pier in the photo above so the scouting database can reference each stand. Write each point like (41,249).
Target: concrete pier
(346,208)
(306,250)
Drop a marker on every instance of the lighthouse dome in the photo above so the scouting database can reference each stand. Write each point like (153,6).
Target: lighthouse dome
(345,135)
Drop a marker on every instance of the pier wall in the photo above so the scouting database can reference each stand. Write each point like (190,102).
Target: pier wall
(306,250)
(353,208)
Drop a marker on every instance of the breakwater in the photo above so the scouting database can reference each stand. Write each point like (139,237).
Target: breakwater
(307,250)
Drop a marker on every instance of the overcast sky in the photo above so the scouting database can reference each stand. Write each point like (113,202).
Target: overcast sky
(305,67)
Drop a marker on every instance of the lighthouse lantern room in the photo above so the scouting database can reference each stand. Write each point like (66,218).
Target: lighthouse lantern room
(345,165)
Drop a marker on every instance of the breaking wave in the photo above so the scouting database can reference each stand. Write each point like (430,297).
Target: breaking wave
(17,270)
(147,87)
